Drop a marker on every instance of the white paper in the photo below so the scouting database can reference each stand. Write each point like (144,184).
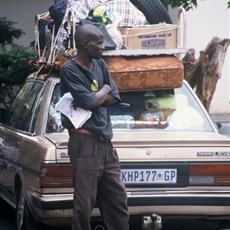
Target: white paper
(77,116)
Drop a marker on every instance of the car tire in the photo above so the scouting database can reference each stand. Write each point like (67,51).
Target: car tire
(154,11)
(24,218)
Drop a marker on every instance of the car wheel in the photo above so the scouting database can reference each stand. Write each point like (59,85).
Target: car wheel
(24,218)
(154,11)
(20,211)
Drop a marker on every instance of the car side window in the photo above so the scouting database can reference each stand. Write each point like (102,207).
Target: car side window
(28,108)
(17,103)
(23,107)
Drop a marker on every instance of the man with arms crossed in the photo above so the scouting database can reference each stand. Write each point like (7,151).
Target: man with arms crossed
(96,167)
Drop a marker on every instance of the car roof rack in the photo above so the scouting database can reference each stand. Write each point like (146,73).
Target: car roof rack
(144,52)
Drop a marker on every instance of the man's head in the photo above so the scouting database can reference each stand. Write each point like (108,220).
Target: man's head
(89,39)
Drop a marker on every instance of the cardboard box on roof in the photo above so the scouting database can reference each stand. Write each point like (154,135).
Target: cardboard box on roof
(156,36)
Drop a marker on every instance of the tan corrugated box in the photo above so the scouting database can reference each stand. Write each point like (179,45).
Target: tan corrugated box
(156,36)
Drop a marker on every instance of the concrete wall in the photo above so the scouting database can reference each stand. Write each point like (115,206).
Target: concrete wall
(23,12)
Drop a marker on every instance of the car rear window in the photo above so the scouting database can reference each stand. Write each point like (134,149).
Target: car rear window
(173,109)
(54,124)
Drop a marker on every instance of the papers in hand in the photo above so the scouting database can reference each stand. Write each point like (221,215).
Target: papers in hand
(77,116)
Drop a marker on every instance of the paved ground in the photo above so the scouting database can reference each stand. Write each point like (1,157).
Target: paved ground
(7,218)
(223,123)
(220,118)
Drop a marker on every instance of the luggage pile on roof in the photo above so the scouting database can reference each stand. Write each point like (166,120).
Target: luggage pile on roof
(54,29)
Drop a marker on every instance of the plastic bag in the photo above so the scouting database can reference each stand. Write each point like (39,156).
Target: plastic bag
(109,44)
(115,33)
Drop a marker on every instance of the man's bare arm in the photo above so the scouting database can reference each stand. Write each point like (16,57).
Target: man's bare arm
(110,100)
(101,96)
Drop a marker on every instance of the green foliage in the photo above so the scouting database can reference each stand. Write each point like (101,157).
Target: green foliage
(14,66)
(8,32)
(186,4)
(7,93)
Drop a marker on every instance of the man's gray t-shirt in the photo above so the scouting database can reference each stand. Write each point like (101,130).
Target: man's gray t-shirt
(83,85)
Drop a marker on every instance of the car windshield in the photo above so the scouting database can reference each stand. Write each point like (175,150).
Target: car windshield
(173,109)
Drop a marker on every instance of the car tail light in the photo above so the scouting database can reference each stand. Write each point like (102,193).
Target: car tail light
(56,176)
(218,174)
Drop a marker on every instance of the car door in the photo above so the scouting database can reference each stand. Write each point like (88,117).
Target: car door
(20,123)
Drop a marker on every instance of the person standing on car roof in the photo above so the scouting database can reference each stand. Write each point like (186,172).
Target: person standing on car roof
(95,163)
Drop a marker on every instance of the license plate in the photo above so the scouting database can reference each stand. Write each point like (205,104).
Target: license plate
(149,176)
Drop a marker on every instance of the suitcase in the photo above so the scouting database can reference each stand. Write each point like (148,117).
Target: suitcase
(143,73)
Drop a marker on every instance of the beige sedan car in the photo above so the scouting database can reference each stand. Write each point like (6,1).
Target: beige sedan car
(174,162)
